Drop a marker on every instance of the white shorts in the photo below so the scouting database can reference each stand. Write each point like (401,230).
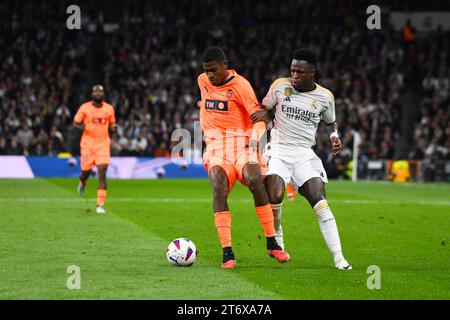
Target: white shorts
(299,165)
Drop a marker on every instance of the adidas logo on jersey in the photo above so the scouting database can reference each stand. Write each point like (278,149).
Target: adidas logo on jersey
(287,99)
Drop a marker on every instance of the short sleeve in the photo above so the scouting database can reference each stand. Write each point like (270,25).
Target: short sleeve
(201,86)
(270,100)
(80,115)
(329,114)
(273,96)
(247,98)
(112,116)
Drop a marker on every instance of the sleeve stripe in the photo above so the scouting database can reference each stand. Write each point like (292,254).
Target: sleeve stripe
(325,90)
(279,81)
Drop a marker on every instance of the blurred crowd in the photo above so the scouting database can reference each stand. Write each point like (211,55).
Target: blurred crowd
(41,71)
(432,126)
(149,67)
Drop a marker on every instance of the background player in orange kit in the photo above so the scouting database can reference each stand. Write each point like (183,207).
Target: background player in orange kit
(291,192)
(227,101)
(96,118)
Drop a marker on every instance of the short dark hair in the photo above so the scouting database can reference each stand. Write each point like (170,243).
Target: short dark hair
(213,54)
(307,55)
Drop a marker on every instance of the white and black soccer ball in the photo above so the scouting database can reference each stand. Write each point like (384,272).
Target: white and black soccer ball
(160,172)
(72,162)
(181,252)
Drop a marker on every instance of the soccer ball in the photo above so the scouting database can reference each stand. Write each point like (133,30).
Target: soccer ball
(181,252)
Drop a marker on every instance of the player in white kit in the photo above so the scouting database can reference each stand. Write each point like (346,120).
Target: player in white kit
(298,105)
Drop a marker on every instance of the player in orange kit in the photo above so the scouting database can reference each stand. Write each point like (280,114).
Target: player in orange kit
(95,118)
(291,192)
(227,101)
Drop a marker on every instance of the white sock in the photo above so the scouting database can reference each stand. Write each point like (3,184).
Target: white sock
(276,208)
(329,229)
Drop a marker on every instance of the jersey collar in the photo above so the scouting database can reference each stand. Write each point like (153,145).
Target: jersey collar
(231,76)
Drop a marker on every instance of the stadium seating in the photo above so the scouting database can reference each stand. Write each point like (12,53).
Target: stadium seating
(149,67)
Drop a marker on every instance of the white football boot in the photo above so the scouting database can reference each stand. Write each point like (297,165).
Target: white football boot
(343,265)
(100,210)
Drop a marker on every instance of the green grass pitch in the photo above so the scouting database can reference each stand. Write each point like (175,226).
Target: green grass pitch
(45,228)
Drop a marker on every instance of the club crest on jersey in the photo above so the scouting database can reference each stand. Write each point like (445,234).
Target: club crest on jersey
(288,92)
(216,105)
(229,93)
(99,121)
(314,104)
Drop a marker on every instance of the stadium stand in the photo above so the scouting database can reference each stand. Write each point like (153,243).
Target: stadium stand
(391,87)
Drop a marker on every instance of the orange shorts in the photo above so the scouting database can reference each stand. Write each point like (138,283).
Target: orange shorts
(232,163)
(93,158)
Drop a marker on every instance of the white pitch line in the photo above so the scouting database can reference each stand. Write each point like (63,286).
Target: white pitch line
(109,199)
(436,202)
(207,200)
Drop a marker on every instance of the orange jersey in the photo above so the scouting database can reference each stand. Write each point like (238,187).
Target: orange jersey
(225,110)
(97,122)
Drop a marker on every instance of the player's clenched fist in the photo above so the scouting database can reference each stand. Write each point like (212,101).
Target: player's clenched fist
(335,145)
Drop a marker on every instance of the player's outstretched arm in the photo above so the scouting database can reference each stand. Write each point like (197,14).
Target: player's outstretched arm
(259,128)
(267,112)
(112,127)
(336,145)
(262,115)
(78,125)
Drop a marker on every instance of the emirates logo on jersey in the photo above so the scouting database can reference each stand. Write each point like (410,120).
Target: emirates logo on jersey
(99,121)
(295,113)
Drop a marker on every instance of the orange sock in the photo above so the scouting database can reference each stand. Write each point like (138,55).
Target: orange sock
(223,225)
(265,215)
(290,189)
(101,196)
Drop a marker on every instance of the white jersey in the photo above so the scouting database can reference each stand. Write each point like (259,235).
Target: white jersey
(297,114)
